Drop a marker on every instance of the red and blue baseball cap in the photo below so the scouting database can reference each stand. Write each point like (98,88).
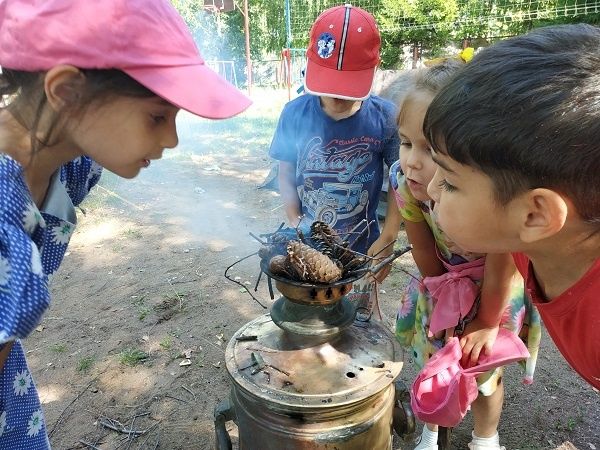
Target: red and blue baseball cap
(343,53)
(146,39)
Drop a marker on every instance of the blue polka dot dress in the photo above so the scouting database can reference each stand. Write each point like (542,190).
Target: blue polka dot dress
(32,245)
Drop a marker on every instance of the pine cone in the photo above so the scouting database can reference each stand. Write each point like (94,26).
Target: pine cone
(312,265)
(280,265)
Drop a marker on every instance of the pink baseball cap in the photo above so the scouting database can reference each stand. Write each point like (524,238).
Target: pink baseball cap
(443,391)
(146,39)
(343,53)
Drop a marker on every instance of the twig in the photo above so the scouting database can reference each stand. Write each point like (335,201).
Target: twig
(279,370)
(277,207)
(190,391)
(257,238)
(366,228)
(114,194)
(384,248)
(242,284)
(214,345)
(376,293)
(148,434)
(129,436)
(176,398)
(88,445)
(258,281)
(176,294)
(60,418)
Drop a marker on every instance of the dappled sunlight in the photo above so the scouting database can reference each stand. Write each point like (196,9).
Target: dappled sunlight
(51,393)
(229,205)
(128,383)
(217,245)
(104,230)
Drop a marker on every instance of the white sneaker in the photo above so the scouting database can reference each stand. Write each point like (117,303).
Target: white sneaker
(484,447)
(491,443)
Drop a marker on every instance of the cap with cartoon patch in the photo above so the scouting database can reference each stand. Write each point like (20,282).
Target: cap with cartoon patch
(343,53)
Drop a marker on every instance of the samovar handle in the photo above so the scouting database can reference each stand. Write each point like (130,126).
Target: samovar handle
(403,417)
(223,413)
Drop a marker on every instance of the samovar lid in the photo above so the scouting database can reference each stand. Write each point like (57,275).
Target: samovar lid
(292,370)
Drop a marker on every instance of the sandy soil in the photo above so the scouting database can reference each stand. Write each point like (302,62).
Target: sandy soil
(142,285)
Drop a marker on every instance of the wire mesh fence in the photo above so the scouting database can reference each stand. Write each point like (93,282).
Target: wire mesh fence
(400,16)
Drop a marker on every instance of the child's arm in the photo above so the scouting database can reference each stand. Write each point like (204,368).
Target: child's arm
(4,352)
(424,251)
(289,192)
(481,332)
(389,234)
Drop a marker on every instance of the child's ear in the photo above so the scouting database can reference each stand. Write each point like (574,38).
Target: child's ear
(544,214)
(63,85)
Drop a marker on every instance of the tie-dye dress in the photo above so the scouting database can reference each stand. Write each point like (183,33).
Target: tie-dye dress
(32,245)
(417,306)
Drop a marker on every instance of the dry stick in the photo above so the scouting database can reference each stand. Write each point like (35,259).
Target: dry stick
(190,391)
(176,294)
(277,207)
(148,434)
(258,280)
(376,292)
(242,284)
(60,418)
(114,194)
(353,230)
(257,238)
(131,427)
(176,398)
(366,228)
(387,246)
(88,445)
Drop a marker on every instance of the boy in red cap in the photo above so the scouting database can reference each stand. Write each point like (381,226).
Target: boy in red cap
(333,141)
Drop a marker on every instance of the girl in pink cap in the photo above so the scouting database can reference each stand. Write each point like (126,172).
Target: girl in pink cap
(445,300)
(75,99)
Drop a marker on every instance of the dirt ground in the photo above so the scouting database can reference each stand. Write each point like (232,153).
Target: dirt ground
(142,285)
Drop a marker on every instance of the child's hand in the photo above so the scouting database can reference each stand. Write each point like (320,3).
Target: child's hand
(477,337)
(377,247)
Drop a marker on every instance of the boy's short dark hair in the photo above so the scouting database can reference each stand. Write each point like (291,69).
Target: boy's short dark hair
(526,111)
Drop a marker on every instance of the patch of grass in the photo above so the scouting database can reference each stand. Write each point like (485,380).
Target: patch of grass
(143,313)
(58,348)
(132,357)
(133,233)
(138,301)
(165,343)
(175,333)
(85,364)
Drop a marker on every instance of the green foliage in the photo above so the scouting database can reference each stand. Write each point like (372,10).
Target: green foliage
(132,357)
(58,348)
(428,24)
(85,364)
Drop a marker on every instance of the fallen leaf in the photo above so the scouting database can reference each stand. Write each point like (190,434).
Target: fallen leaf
(186,362)
(39,328)
(592,446)
(187,354)
(145,338)
(217,365)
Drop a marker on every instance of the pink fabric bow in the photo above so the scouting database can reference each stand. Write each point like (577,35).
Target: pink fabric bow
(453,293)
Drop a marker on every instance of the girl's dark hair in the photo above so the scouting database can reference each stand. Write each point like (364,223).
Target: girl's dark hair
(431,80)
(23,91)
(526,112)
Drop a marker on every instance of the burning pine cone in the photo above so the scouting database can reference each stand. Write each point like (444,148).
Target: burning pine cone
(311,264)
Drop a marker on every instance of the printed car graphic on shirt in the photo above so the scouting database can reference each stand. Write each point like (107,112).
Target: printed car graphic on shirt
(335,201)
